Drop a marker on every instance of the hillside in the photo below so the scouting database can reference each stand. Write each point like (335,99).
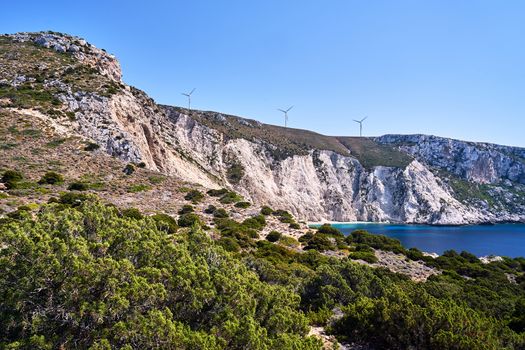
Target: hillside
(77,88)
(130,225)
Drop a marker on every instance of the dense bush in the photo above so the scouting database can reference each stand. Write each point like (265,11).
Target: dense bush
(210,209)
(129,169)
(195,196)
(369,257)
(242,205)
(188,220)
(78,186)
(284,216)
(186,208)
(375,241)
(165,223)
(320,242)
(132,213)
(274,236)
(220,213)
(217,193)
(266,210)
(101,281)
(51,178)
(91,146)
(257,222)
(230,197)
(329,230)
(11,178)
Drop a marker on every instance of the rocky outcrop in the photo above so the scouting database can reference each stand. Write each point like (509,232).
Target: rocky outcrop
(83,51)
(476,162)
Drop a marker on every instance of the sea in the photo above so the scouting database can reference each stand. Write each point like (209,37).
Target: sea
(480,240)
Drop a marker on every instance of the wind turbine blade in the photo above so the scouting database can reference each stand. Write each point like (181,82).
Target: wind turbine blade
(192,91)
(182,93)
(281,110)
(288,110)
(357,121)
(364,119)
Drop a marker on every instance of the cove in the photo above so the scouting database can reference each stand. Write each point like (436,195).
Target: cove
(500,239)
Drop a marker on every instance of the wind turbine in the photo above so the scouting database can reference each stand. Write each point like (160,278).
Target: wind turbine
(285,111)
(188,95)
(360,122)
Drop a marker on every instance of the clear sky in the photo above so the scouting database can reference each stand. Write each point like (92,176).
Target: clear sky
(450,68)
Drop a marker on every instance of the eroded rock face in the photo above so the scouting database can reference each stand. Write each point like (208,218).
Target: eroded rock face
(321,185)
(478,162)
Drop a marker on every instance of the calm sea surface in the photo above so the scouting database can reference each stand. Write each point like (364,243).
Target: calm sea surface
(502,239)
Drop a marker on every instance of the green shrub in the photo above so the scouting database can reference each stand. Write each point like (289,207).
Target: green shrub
(186,208)
(217,193)
(320,242)
(229,244)
(242,205)
(156,179)
(327,229)
(78,186)
(195,196)
(274,236)
(369,257)
(235,173)
(129,169)
(375,241)
(256,222)
(132,213)
(210,209)
(306,237)
(51,178)
(266,210)
(289,241)
(188,220)
(230,197)
(91,146)
(220,213)
(141,165)
(138,188)
(165,222)
(284,216)
(11,178)
(295,226)
(71,198)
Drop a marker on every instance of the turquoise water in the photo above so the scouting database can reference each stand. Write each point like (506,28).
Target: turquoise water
(501,239)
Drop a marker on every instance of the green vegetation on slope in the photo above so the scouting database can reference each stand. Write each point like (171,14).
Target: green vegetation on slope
(84,275)
(92,278)
(371,154)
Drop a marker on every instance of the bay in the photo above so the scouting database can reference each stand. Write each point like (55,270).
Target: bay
(481,240)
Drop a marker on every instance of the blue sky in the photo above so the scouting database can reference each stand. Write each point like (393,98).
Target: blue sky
(449,68)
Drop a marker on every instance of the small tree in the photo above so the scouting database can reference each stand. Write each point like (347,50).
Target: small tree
(274,236)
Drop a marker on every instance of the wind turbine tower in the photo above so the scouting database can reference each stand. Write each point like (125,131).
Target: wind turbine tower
(188,95)
(360,122)
(285,111)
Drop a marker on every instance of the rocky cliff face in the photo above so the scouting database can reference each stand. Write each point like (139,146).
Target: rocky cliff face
(482,163)
(316,177)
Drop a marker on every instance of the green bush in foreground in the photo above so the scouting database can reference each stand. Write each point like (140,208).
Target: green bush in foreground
(188,220)
(99,280)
